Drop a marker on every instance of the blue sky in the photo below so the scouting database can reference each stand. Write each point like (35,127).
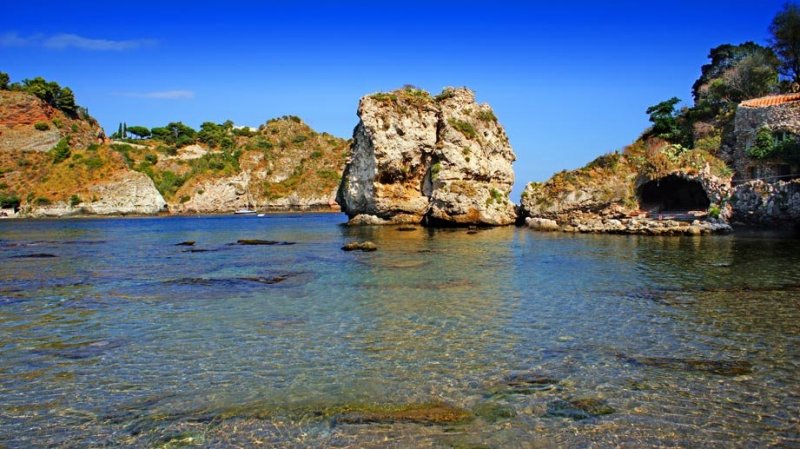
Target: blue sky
(568,80)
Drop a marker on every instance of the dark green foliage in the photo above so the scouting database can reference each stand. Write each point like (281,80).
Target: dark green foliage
(41,126)
(667,124)
(175,133)
(74,200)
(217,136)
(42,201)
(74,127)
(785,30)
(151,159)
(139,131)
(8,201)
(53,94)
(61,151)
(167,182)
(465,128)
(299,139)
(768,145)
(243,132)
(316,154)
(4,79)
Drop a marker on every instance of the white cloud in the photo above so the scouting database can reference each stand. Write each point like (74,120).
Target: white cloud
(160,95)
(64,41)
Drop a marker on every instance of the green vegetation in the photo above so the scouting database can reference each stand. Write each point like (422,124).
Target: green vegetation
(785,30)
(770,145)
(487,116)
(714,210)
(139,131)
(463,127)
(50,92)
(435,169)
(61,151)
(9,201)
(41,126)
(175,133)
(74,200)
(495,196)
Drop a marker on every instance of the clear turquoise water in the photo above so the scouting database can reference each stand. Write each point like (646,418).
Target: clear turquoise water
(125,340)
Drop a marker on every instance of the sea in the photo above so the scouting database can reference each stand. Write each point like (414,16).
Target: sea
(117,332)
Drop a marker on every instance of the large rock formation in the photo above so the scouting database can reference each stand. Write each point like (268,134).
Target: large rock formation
(127,193)
(650,188)
(418,159)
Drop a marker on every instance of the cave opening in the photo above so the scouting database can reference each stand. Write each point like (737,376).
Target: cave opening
(672,194)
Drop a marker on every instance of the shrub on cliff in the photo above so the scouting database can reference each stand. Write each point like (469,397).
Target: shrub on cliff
(61,151)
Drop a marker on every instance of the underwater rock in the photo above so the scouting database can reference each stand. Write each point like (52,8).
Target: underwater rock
(257,242)
(719,367)
(186,243)
(578,409)
(34,256)
(428,414)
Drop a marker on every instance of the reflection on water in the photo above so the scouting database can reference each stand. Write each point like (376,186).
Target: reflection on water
(123,339)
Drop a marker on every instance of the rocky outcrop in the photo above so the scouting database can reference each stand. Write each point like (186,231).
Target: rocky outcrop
(418,159)
(27,123)
(130,193)
(632,193)
(767,203)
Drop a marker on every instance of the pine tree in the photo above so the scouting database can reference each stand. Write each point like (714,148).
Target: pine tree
(119,132)
(124,130)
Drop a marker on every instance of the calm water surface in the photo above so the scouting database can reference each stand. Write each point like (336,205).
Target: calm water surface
(546,340)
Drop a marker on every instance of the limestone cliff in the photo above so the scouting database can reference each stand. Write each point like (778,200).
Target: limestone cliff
(650,188)
(419,159)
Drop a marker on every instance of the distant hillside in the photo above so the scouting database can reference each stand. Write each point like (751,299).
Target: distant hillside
(55,160)
(282,164)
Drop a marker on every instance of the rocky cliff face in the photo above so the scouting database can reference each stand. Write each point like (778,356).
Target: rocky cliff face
(419,159)
(27,123)
(622,193)
(128,193)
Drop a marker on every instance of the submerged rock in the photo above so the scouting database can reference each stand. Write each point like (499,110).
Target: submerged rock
(257,242)
(429,414)
(718,367)
(578,409)
(34,256)
(420,159)
(360,246)
(186,243)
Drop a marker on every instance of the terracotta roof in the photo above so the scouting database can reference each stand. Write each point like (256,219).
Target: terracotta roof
(771,100)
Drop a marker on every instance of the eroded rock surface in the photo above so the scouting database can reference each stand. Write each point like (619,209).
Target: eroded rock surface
(419,159)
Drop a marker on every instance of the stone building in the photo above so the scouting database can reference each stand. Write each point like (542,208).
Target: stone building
(780,114)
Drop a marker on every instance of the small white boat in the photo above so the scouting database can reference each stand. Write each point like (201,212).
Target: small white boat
(244,212)
(260,215)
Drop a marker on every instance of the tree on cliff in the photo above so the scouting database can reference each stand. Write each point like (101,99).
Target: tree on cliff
(668,123)
(139,131)
(735,73)
(50,92)
(785,30)
(4,79)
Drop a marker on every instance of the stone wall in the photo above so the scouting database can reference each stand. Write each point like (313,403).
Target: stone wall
(748,120)
(767,203)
